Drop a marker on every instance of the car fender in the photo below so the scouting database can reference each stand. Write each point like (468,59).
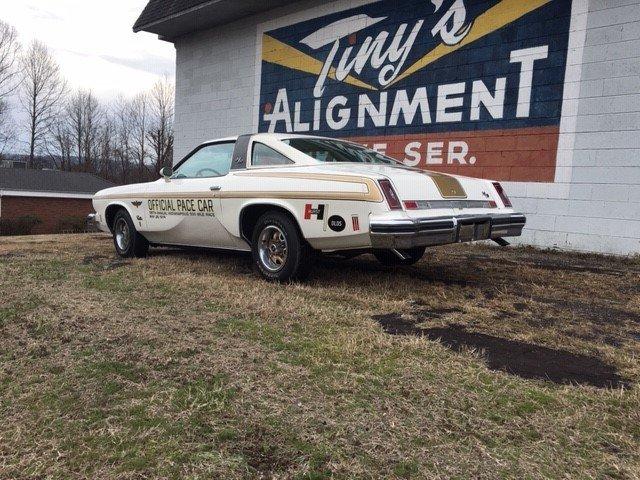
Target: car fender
(234,211)
(102,206)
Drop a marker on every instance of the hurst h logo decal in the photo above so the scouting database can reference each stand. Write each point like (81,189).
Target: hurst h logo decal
(313,212)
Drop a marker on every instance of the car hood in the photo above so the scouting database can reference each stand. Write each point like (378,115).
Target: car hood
(135,188)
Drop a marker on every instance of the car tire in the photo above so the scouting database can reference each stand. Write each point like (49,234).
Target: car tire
(279,252)
(391,259)
(128,242)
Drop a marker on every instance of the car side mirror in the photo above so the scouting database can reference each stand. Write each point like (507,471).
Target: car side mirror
(166,173)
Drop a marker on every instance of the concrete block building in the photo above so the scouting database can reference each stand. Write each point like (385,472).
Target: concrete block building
(543,95)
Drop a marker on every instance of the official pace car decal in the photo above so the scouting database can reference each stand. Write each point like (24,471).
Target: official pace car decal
(190,207)
(467,86)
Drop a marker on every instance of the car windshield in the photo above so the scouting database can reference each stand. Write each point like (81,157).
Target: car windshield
(326,150)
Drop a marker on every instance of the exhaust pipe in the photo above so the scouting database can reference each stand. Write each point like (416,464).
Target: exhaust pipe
(400,255)
(501,241)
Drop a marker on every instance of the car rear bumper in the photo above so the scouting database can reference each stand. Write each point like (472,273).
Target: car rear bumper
(409,233)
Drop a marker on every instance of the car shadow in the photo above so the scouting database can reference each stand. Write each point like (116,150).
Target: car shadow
(366,267)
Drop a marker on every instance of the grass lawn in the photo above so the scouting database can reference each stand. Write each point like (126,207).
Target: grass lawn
(478,362)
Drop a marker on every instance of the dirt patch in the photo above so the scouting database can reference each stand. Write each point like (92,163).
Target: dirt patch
(12,255)
(115,264)
(102,262)
(90,259)
(558,261)
(520,307)
(394,324)
(514,357)
(597,312)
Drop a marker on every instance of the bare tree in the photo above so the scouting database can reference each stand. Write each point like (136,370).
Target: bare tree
(41,92)
(84,114)
(121,142)
(139,112)
(7,131)
(121,115)
(9,56)
(103,148)
(74,113)
(9,69)
(160,132)
(60,144)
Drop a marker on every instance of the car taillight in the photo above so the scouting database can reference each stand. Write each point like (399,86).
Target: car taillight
(410,204)
(390,195)
(503,195)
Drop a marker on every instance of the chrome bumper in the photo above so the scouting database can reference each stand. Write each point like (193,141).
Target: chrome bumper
(421,232)
(91,222)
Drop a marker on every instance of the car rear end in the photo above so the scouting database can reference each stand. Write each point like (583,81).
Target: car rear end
(429,208)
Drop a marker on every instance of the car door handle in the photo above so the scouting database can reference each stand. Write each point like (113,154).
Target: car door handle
(215,188)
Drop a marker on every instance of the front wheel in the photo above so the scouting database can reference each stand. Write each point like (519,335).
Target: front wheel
(405,257)
(279,252)
(128,242)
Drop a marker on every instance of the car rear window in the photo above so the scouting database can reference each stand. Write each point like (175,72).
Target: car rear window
(328,150)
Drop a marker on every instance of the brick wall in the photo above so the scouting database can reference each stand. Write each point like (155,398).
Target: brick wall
(49,210)
(586,198)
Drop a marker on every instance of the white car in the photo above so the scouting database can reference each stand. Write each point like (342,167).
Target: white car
(286,197)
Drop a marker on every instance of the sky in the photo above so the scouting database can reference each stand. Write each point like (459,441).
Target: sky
(93,42)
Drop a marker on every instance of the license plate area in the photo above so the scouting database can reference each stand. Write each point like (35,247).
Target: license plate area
(474,231)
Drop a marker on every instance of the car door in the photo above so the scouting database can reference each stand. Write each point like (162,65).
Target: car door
(185,209)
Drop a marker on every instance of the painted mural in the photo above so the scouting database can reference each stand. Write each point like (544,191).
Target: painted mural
(465,86)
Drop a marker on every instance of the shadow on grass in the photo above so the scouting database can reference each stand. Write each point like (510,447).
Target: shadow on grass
(484,279)
(198,252)
(516,358)
(328,270)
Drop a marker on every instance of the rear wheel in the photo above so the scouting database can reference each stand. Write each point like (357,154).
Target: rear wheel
(407,256)
(128,242)
(279,252)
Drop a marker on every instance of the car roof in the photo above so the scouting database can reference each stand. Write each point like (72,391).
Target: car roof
(277,136)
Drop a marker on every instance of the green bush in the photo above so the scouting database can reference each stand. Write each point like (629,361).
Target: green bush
(19,226)
(71,225)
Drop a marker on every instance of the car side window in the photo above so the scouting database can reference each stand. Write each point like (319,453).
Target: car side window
(209,161)
(264,156)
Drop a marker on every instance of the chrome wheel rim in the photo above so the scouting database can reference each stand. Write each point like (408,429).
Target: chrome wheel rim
(273,248)
(122,233)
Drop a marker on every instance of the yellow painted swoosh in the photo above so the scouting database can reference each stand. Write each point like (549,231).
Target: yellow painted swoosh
(449,186)
(274,51)
(496,17)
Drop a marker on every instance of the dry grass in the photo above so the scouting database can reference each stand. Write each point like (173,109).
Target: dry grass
(188,365)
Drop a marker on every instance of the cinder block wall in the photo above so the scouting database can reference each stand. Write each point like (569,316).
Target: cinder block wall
(216,81)
(594,202)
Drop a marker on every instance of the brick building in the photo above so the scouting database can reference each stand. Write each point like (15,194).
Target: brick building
(543,95)
(50,195)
